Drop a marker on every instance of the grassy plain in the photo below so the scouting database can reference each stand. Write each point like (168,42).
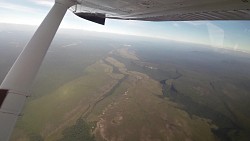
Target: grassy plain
(51,113)
(128,107)
(208,84)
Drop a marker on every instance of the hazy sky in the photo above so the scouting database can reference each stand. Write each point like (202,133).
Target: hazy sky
(230,34)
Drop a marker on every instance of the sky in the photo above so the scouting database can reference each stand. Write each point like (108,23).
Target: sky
(233,35)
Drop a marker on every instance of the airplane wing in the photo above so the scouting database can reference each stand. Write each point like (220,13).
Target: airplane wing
(168,10)
(14,89)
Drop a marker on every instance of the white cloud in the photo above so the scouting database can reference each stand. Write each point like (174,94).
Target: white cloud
(47,3)
(175,24)
(196,23)
(15,7)
(236,47)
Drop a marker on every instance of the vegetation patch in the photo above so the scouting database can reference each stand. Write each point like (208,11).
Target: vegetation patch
(81,130)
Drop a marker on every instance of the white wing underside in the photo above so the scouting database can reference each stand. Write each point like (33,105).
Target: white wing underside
(169,10)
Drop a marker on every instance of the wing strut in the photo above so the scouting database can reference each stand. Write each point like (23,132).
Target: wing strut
(14,88)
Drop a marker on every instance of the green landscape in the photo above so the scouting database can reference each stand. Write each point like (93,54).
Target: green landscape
(134,89)
(134,106)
